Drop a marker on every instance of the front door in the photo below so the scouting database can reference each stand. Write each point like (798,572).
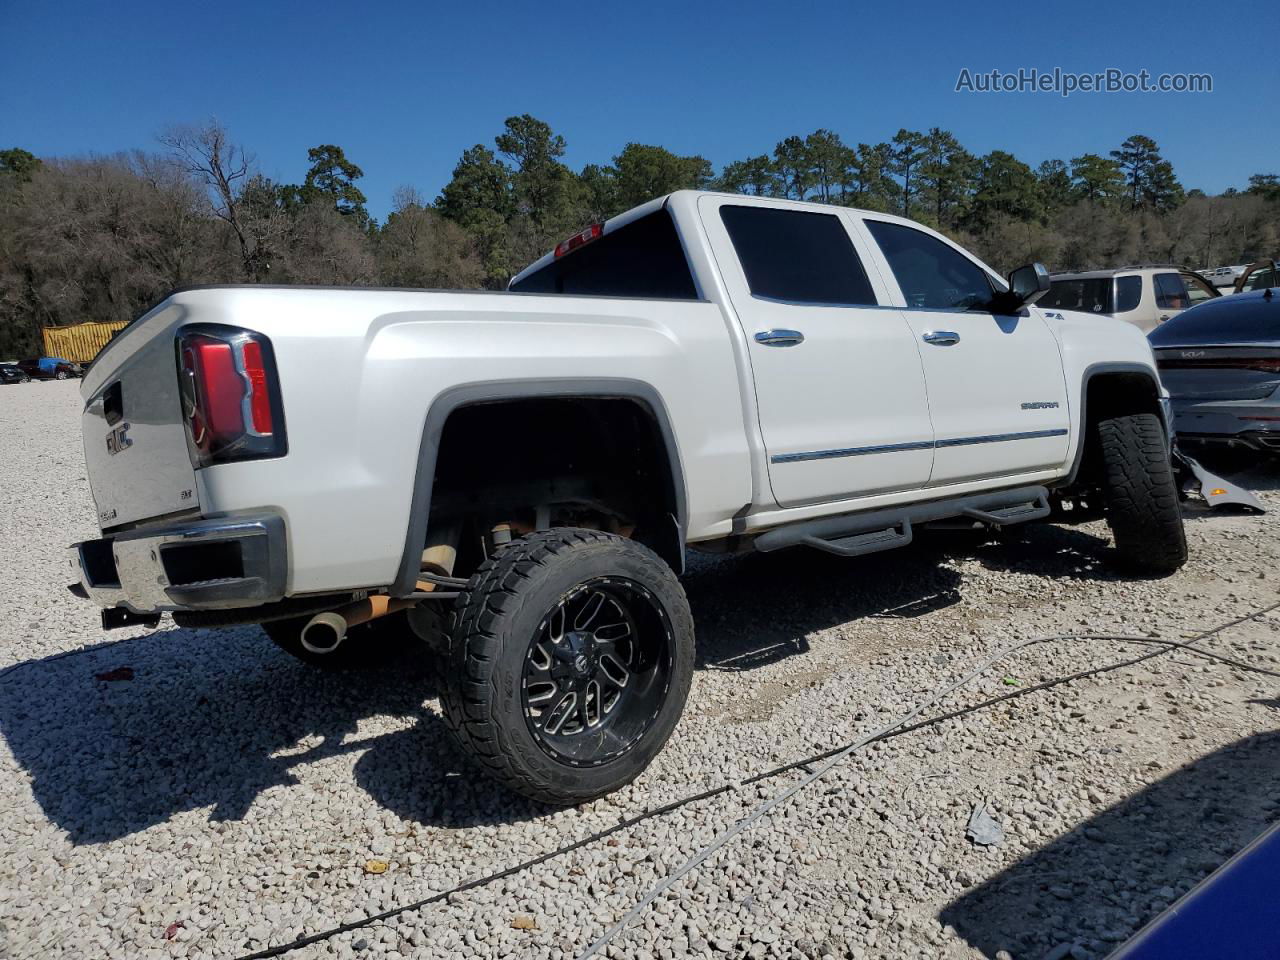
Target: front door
(839,385)
(996,387)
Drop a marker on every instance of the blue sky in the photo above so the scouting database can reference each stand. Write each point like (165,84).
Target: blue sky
(404,87)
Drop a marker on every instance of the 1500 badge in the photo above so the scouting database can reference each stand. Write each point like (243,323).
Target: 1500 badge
(118,440)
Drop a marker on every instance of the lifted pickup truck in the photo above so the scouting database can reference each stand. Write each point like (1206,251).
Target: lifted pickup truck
(353,467)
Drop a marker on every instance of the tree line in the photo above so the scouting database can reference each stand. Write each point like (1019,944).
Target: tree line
(105,237)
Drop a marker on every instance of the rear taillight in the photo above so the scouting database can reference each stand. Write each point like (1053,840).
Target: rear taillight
(1259,364)
(230,395)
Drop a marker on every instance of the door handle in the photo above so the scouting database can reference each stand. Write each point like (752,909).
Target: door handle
(943,338)
(780,338)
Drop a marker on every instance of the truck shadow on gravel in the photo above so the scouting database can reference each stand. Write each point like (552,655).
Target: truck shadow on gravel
(216,718)
(1096,885)
(757,609)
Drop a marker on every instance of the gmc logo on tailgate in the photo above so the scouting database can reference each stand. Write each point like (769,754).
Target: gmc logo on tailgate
(118,440)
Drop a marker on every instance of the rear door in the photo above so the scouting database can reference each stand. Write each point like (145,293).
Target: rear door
(839,384)
(996,387)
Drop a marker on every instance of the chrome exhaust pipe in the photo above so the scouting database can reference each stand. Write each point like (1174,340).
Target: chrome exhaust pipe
(324,633)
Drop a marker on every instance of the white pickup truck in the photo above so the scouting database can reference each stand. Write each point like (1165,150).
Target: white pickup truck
(354,467)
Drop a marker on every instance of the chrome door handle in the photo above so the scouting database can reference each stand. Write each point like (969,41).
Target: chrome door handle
(943,338)
(780,338)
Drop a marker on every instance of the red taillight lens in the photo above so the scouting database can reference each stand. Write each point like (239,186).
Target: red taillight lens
(259,392)
(229,395)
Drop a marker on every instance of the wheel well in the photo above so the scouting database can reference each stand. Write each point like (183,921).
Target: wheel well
(536,462)
(1107,395)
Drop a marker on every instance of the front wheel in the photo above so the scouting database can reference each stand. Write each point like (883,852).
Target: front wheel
(569,664)
(60,375)
(1141,495)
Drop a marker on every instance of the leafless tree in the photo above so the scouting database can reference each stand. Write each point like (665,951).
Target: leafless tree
(223,168)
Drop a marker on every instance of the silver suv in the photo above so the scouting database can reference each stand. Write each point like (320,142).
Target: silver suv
(1145,295)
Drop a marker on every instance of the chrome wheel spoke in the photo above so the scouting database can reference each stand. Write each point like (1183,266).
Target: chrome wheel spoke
(557,623)
(541,693)
(613,671)
(613,632)
(590,610)
(558,715)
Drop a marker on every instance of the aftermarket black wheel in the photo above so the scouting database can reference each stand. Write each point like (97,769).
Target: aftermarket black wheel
(569,664)
(1141,495)
(370,644)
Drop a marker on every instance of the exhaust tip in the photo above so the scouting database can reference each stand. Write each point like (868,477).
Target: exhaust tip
(323,633)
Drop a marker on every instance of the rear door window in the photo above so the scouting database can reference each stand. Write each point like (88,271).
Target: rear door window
(1171,293)
(797,257)
(1128,293)
(930,273)
(1090,295)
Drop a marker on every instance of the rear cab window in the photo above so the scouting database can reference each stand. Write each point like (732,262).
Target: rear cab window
(794,256)
(931,274)
(644,258)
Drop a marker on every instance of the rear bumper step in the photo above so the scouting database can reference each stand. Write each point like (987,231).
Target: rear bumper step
(201,565)
(855,534)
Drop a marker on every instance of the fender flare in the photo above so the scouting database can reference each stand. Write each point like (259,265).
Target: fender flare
(1101,369)
(468,394)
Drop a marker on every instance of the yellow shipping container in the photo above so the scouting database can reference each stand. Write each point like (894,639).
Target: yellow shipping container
(79,342)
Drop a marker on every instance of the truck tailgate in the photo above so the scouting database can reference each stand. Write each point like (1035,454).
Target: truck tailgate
(135,442)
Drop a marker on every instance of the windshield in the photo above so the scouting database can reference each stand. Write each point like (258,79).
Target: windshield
(1090,295)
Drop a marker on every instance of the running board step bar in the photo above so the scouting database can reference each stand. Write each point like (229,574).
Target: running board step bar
(855,534)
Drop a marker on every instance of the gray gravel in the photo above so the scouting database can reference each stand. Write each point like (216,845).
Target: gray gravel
(224,798)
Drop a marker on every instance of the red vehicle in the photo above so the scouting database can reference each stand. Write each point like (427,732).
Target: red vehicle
(50,368)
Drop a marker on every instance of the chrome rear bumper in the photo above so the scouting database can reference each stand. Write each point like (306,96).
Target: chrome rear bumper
(198,565)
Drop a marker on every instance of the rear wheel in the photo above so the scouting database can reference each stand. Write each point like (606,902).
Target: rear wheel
(569,664)
(1140,494)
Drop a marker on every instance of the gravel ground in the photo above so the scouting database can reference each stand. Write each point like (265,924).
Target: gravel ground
(189,793)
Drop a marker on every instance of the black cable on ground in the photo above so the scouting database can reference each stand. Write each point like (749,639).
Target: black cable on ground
(1167,647)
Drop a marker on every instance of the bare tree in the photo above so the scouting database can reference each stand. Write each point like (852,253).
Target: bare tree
(223,168)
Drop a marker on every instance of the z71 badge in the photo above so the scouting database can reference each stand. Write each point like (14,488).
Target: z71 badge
(118,440)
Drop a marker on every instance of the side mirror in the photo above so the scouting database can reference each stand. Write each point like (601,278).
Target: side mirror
(1028,284)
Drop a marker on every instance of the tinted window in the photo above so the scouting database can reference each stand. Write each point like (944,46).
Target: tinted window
(1128,293)
(796,256)
(930,273)
(1197,290)
(642,259)
(1091,295)
(1170,292)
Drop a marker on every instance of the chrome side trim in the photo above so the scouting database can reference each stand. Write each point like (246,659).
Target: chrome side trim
(851,451)
(1000,438)
(915,445)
